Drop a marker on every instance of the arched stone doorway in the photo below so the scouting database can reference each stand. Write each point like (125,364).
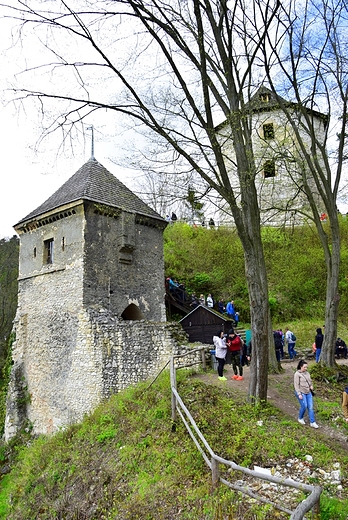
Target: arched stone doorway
(132,312)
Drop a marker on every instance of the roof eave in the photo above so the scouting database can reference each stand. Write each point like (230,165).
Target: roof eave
(66,207)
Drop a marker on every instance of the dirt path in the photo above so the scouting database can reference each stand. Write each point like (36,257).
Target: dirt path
(280,393)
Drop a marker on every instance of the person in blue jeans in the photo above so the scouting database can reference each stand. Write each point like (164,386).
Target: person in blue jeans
(291,343)
(319,338)
(303,390)
(219,341)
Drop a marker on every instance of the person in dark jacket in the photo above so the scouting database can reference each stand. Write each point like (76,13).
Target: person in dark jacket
(319,338)
(341,349)
(278,343)
(221,306)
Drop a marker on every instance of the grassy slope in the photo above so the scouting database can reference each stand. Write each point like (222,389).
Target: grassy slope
(212,261)
(124,461)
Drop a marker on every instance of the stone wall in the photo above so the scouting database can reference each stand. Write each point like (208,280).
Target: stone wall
(91,316)
(279,196)
(123,263)
(53,386)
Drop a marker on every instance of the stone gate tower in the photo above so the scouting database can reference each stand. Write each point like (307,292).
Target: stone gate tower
(91,313)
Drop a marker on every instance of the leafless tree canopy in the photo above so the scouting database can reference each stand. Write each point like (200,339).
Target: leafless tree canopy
(179,68)
(309,51)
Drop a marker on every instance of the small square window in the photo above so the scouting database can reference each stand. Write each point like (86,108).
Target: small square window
(48,251)
(264,97)
(269,169)
(268,131)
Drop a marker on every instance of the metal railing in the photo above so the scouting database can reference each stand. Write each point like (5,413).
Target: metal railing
(312,501)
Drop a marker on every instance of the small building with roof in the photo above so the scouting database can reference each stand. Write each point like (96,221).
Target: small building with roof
(91,315)
(202,323)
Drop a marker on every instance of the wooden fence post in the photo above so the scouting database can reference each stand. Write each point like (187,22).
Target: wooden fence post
(203,360)
(173,385)
(215,474)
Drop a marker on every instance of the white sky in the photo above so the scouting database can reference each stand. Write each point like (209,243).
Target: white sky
(29,177)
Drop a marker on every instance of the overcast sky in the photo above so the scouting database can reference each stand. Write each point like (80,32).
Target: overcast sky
(28,178)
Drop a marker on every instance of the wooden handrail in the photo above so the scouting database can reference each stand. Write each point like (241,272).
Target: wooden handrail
(311,502)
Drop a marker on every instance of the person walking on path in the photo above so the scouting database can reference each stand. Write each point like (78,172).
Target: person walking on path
(304,393)
(221,306)
(290,339)
(235,347)
(319,338)
(220,353)
(278,344)
(345,403)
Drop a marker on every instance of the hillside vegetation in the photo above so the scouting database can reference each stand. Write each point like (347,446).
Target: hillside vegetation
(126,462)
(211,261)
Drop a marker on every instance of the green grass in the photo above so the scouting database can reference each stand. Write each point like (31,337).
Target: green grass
(125,462)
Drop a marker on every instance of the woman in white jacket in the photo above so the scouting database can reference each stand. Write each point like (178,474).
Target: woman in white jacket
(220,353)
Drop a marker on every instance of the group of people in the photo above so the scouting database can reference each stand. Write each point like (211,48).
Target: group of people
(195,301)
(178,290)
(173,218)
(229,309)
(340,346)
(303,383)
(230,348)
(281,339)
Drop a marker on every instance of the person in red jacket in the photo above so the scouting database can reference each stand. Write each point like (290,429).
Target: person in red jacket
(235,347)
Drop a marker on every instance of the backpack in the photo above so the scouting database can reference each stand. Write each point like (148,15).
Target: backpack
(293,337)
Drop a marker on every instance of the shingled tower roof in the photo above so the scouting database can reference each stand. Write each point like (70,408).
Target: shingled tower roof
(95,183)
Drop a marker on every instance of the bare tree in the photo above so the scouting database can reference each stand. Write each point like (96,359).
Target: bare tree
(177,67)
(309,50)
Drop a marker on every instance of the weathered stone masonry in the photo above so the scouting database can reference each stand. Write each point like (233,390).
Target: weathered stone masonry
(91,315)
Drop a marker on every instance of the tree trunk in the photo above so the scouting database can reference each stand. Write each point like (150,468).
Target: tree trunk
(247,219)
(249,231)
(260,320)
(327,357)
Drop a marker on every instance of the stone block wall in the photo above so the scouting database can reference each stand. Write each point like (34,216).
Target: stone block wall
(124,263)
(103,355)
(91,316)
(278,195)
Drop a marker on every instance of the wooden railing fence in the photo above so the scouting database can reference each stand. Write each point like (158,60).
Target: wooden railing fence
(312,501)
